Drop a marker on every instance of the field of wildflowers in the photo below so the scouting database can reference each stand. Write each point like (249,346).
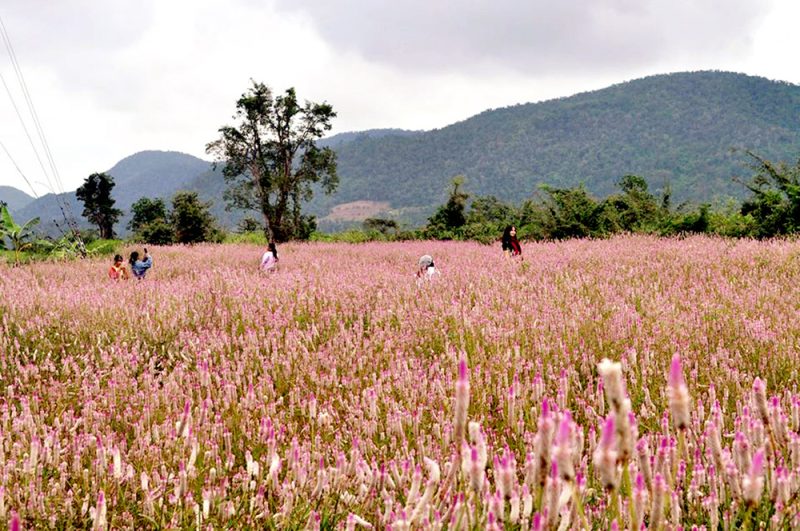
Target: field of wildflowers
(598,384)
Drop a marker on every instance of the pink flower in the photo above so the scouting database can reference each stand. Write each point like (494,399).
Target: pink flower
(753,483)
(678,395)
(461,402)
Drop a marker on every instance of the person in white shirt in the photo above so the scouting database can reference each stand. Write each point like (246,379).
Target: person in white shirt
(426,270)
(269,261)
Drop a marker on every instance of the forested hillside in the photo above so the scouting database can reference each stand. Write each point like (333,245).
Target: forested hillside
(675,129)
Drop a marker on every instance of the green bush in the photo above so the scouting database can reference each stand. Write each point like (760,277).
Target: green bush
(256,238)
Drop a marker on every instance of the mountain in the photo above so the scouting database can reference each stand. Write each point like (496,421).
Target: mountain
(147,173)
(15,199)
(673,129)
(340,139)
(154,174)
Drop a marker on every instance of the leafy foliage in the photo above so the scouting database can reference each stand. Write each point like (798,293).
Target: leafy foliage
(157,232)
(561,213)
(150,221)
(247,225)
(98,205)
(146,210)
(381,225)
(450,217)
(19,236)
(191,219)
(271,160)
(775,203)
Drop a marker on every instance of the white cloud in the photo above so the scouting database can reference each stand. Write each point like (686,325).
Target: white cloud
(115,77)
(485,36)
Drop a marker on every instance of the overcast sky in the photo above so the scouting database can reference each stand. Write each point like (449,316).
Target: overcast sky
(109,78)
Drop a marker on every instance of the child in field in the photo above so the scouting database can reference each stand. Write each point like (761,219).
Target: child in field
(269,261)
(118,271)
(426,269)
(140,267)
(511,246)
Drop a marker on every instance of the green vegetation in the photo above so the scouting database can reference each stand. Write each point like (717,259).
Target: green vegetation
(674,130)
(146,211)
(271,159)
(20,237)
(775,204)
(772,210)
(65,248)
(98,205)
(189,221)
(560,213)
(149,222)
(677,130)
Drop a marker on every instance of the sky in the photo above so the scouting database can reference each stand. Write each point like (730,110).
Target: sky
(109,78)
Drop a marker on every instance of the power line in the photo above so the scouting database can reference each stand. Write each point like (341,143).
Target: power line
(63,204)
(27,133)
(31,108)
(18,169)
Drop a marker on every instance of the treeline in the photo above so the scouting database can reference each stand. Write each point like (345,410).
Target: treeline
(772,209)
(188,221)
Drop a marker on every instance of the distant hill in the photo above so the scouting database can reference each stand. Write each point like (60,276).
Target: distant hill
(672,129)
(148,173)
(675,129)
(15,199)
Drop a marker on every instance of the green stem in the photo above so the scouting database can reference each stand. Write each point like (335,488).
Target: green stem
(615,509)
(625,491)
(578,501)
(748,515)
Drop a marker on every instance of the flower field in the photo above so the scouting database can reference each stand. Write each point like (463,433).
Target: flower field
(342,393)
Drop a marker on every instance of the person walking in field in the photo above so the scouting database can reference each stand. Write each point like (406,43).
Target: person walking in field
(139,267)
(118,271)
(510,243)
(269,260)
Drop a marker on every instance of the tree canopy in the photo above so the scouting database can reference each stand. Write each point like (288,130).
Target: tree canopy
(98,205)
(775,200)
(191,219)
(271,160)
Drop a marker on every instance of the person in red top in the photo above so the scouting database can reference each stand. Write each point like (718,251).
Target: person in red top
(118,271)
(511,246)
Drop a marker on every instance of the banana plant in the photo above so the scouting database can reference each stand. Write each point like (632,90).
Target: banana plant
(18,235)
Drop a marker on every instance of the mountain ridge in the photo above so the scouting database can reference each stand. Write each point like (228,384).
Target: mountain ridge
(674,130)
(14,197)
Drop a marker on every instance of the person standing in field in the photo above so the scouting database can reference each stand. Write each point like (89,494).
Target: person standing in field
(510,243)
(269,260)
(139,267)
(118,271)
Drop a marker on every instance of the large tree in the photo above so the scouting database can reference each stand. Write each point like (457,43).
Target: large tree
(98,205)
(271,159)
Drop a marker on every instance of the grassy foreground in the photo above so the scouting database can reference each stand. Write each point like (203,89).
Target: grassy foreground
(340,392)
